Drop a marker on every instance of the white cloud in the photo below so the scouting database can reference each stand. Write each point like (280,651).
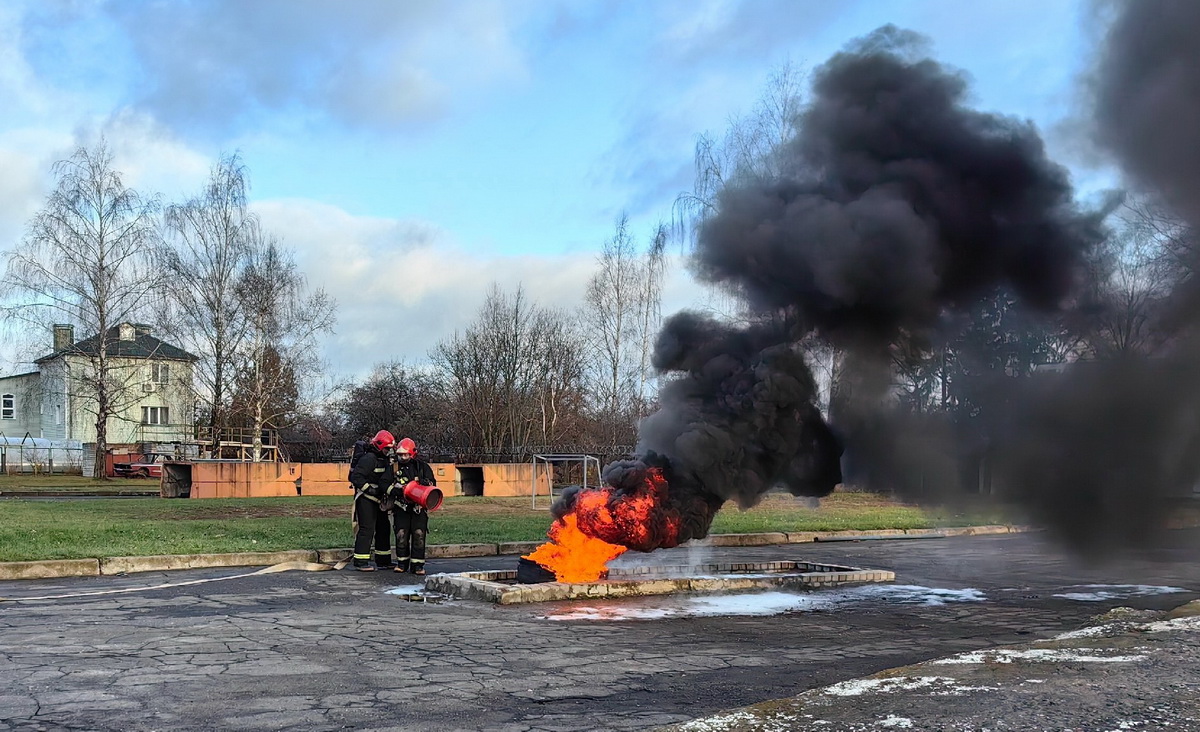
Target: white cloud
(151,158)
(370,63)
(403,286)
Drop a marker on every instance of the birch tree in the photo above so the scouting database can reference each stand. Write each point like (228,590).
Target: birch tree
(282,347)
(86,260)
(208,246)
(622,312)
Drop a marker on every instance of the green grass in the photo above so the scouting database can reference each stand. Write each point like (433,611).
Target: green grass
(18,483)
(105,527)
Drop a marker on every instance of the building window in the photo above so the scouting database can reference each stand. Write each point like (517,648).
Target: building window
(160,372)
(58,414)
(154,415)
(8,406)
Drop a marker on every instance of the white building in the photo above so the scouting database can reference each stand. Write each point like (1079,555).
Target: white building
(150,383)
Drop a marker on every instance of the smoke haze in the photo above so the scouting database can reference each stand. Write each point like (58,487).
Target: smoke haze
(901,211)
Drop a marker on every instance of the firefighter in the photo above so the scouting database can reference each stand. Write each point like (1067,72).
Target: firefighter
(371,476)
(410,519)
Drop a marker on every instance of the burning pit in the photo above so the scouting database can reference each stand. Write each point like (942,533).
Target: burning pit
(501,586)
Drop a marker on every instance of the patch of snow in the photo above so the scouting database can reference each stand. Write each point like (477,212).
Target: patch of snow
(893,721)
(1159,626)
(941,685)
(1093,632)
(1101,593)
(718,723)
(1050,655)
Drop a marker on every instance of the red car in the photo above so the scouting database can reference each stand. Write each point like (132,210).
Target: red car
(150,466)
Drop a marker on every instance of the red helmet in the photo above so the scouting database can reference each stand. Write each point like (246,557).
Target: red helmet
(383,440)
(407,446)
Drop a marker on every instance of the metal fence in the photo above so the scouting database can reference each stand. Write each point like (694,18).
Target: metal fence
(17,459)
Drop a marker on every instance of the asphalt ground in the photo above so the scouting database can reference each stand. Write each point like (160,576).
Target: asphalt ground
(336,650)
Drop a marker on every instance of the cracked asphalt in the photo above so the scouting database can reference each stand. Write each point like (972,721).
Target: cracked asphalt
(335,650)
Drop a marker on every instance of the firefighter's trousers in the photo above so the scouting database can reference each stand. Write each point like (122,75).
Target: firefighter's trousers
(412,524)
(373,529)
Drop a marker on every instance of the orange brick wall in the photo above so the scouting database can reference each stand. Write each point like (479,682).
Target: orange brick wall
(513,479)
(245,480)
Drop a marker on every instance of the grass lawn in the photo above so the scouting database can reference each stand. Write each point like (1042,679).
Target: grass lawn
(105,527)
(19,483)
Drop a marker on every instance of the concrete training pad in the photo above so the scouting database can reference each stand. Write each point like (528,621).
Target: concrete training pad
(499,586)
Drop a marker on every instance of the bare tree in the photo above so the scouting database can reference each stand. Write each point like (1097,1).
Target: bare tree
(622,312)
(86,260)
(206,252)
(650,316)
(282,350)
(511,374)
(610,311)
(400,398)
(746,150)
(1131,293)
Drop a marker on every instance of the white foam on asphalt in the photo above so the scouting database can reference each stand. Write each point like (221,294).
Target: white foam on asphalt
(406,590)
(763,603)
(1101,593)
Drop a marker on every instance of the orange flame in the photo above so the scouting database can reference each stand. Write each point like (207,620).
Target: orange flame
(603,524)
(572,555)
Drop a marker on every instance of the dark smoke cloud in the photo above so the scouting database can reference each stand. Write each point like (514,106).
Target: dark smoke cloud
(901,213)
(1100,452)
(1148,97)
(900,204)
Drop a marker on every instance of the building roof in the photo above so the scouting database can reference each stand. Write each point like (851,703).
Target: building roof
(17,376)
(143,345)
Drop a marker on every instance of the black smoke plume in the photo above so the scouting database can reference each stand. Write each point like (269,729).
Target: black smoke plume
(1100,452)
(1148,98)
(899,205)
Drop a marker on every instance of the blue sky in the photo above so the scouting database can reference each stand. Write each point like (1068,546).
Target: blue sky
(414,152)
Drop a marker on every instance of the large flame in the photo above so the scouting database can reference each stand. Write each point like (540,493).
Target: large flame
(603,523)
(572,555)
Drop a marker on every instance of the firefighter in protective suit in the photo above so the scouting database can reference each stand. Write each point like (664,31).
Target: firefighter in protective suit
(410,519)
(372,476)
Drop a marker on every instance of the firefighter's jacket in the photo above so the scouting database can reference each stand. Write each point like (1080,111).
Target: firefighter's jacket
(373,474)
(408,471)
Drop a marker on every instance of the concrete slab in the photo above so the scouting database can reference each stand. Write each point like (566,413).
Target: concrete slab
(499,586)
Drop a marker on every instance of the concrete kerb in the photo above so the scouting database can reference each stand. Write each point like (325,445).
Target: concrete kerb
(129,565)
(49,569)
(92,567)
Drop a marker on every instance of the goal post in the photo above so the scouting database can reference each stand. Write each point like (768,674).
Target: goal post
(547,462)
